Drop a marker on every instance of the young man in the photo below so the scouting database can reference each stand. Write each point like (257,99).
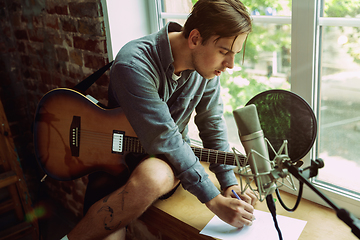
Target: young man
(158,81)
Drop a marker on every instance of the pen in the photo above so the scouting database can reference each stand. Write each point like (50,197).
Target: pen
(237,196)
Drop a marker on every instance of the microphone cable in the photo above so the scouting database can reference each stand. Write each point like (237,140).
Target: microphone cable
(272,208)
(301,186)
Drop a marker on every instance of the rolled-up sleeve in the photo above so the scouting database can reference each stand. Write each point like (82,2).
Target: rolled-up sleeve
(213,131)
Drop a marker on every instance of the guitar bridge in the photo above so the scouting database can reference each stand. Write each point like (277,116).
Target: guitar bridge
(118,142)
(75,136)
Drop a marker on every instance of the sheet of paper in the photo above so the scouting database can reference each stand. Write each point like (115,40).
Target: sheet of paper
(262,228)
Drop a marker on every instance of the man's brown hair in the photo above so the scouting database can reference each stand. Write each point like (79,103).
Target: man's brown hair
(225,18)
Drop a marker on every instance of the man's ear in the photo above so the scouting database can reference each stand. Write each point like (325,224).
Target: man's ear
(194,39)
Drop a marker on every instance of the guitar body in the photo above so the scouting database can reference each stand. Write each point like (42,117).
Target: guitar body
(74,137)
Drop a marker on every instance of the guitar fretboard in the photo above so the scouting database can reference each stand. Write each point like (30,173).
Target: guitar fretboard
(215,156)
(132,144)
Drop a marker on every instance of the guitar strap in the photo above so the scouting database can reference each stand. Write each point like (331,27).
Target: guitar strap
(87,82)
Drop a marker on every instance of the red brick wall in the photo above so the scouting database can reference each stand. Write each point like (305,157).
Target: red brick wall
(45,44)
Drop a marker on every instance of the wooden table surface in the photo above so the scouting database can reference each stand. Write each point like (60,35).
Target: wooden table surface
(322,222)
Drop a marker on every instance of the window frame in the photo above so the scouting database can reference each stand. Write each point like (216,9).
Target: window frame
(306,56)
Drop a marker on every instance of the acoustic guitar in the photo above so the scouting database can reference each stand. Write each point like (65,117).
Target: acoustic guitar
(73,136)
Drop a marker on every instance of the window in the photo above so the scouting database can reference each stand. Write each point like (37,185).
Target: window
(338,100)
(310,47)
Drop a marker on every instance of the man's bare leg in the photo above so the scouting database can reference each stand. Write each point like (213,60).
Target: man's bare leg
(150,180)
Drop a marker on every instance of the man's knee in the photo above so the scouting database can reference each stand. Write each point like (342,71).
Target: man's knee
(117,235)
(155,174)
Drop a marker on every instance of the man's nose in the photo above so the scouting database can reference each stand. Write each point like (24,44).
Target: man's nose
(229,62)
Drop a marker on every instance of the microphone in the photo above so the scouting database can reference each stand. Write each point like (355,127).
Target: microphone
(252,138)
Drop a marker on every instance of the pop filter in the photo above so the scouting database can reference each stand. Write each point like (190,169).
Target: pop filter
(283,116)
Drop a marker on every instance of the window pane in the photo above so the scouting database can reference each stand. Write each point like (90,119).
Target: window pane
(340,8)
(177,6)
(269,8)
(257,7)
(339,134)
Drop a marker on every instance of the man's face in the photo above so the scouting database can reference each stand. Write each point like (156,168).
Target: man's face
(214,57)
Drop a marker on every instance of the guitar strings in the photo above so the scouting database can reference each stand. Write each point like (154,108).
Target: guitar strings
(95,134)
(132,144)
(215,156)
(95,138)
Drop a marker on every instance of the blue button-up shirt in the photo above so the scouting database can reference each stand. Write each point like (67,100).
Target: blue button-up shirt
(141,84)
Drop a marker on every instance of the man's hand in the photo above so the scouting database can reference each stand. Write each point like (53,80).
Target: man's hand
(248,195)
(232,211)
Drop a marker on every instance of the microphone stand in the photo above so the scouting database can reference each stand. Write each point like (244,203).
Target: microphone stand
(303,174)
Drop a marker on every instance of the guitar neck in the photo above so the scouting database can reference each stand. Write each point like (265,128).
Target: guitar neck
(215,156)
(132,144)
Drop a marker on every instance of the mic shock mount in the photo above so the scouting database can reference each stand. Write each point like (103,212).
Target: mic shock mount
(249,174)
